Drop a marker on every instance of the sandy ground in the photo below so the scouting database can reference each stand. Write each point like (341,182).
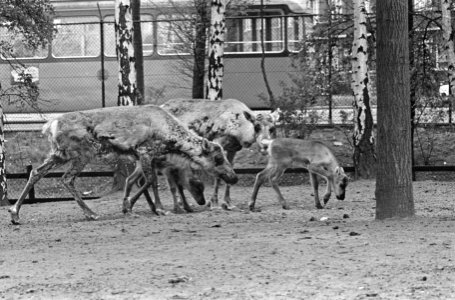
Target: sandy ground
(271,254)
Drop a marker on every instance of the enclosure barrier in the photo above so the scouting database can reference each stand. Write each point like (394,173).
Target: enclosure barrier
(33,199)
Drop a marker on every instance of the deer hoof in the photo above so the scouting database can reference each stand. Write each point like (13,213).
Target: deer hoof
(213,205)
(319,206)
(92,217)
(131,214)
(254,209)
(225,206)
(14,216)
(178,210)
(161,212)
(189,209)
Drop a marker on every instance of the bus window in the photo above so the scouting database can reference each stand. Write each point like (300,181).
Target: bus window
(296,33)
(244,34)
(175,35)
(76,37)
(19,49)
(146,30)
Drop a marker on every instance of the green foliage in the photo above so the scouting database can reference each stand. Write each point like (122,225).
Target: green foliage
(320,70)
(29,23)
(32,19)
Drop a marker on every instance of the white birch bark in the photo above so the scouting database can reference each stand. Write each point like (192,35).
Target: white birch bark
(364,149)
(359,83)
(3,185)
(447,34)
(124,35)
(216,50)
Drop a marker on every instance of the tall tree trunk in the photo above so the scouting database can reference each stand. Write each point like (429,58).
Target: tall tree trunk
(199,49)
(216,51)
(3,183)
(137,40)
(448,36)
(124,33)
(128,92)
(328,88)
(394,172)
(413,91)
(364,152)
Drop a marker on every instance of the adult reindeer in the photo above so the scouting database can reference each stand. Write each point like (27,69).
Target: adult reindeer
(311,155)
(229,122)
(136,131)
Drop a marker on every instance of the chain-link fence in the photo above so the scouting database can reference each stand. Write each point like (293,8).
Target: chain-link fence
(79,70)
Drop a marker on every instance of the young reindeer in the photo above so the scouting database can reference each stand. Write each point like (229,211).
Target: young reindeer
(312,155)
(136,131)
(180,175)
(229,122)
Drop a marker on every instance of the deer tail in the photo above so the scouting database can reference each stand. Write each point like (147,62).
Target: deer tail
(50,128)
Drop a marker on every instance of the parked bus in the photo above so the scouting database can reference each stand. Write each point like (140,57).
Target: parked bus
(72,73)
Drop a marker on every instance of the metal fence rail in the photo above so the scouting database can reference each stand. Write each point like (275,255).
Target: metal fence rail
(33,199)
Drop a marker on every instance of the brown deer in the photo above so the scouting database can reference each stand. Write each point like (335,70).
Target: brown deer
(180,175)
(312,155)
(135,131)
(229,122)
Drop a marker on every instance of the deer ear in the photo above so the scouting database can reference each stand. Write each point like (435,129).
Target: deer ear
(248,116)
(339,171)
(275,115)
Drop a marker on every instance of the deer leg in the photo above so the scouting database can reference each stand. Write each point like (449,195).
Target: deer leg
(143,190)
(35,175)
(129,182)
(142,181)
(325,174)
(186,206)
(227,195)
(328,190)
(273,178)
(315,184)
(260,179)
(153,179)
(173,186)
(214,200)
(77,165)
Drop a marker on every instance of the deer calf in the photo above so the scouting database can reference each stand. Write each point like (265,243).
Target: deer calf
(312,155)
(180,175)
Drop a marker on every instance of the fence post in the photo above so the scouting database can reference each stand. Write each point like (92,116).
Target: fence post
(102,77)
(31,192)
(450,109)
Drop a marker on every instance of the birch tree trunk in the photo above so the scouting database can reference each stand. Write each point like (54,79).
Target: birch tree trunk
(449,52)
(364,152)
(394,172)
(128,92)
(124,34)
(3,186)
(216,50)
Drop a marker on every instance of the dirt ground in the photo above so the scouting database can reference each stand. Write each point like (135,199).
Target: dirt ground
(340,252)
